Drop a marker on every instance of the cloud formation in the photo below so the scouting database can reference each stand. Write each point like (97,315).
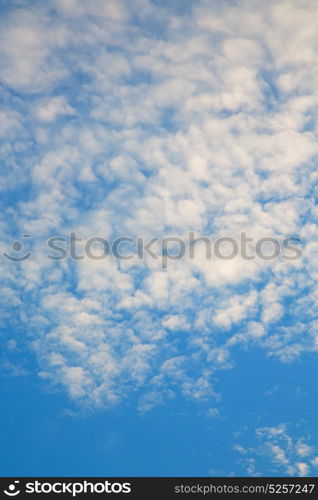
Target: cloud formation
(142,118)
(288,455)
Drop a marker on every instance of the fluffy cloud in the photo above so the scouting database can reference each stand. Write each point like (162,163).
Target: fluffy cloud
(288,455)
(114,125)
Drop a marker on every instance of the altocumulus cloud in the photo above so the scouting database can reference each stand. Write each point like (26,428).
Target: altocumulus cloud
(291,456)
(147,118)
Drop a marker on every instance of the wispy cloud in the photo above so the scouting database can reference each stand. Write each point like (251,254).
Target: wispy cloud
(288,455)
(114,124)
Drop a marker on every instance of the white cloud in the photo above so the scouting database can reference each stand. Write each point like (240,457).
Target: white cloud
(288,455)
(207,124)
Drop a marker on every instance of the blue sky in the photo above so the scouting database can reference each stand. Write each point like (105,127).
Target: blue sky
(154,119)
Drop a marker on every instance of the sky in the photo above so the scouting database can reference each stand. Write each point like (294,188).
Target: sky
(157,119)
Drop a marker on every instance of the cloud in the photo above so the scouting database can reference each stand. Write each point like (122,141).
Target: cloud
(288,454)
(113,126)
